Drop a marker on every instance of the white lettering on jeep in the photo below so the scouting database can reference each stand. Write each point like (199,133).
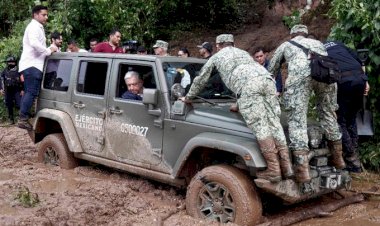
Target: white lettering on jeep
(133,129)
(88,122)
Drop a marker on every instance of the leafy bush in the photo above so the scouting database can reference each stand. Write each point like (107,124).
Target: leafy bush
(293,19)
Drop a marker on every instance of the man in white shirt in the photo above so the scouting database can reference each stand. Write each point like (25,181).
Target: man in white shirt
(72,46)
(32,61)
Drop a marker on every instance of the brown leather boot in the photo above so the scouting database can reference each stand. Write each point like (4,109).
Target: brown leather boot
(285,162)
(301,165)
(269,151)
(335,148)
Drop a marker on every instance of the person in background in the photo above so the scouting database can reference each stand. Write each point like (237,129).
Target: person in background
(351,88)
(183,52)
(260,56)
(32,61)
(161,48)
(72,46)
(112,45)
(93,43)
(205,50)
(298,88)
(141,50)
(56,40)
(135,86)
(11,87)
(257,101)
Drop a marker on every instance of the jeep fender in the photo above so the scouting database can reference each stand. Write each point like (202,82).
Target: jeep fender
(66,124)
(242,146)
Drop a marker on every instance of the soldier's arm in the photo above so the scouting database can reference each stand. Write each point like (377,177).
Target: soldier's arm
(201,80)
(275,62)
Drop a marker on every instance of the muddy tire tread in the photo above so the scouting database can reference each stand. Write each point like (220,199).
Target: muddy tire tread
(248,204)
(58,141)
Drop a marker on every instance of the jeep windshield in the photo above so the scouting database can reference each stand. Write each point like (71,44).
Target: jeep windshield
(184,74)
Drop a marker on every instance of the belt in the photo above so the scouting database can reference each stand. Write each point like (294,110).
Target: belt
(353,72)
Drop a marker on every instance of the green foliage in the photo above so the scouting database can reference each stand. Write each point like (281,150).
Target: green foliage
(370,155)
(26,198)
(358,25)
(293,19)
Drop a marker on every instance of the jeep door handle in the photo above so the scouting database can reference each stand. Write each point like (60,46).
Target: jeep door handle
(79,104)
(116,111)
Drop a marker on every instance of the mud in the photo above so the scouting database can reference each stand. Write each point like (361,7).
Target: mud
(95,195)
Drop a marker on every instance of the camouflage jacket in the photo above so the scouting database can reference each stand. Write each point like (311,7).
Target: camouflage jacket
(235,66)
(298,63)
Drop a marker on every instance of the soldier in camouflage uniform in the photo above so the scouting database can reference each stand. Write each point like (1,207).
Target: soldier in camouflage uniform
(298,87)
(257,102)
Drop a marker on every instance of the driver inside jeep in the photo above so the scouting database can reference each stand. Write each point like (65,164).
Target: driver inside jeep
(257,100)
(135,86)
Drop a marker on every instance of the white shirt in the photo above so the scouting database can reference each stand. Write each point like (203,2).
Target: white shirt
(34,47)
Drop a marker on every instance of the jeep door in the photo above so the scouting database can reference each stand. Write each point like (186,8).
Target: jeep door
(133,134)
(88,108)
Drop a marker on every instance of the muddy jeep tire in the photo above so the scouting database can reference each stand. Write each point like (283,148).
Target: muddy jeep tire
(53,150)
(223,193)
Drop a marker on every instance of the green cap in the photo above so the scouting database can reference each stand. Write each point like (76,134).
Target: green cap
(224,38)
(161,44)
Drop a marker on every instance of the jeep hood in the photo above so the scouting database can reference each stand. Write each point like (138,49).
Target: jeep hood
(218,116)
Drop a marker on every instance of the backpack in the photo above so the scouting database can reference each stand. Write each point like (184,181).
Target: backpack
(323,68)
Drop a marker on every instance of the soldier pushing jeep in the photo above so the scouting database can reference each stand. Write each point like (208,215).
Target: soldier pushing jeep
(257,101)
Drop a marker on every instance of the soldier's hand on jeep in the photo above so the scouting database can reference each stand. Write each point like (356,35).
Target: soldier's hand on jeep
(185,100)
(22,93)
(1,92)
(234,108)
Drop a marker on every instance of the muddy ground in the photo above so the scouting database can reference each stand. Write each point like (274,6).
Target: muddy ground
(95,195)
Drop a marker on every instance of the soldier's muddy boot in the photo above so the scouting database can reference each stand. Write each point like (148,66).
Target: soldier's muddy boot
(353,163)
(335,148)
(285,162)
(301,165)
(270,153)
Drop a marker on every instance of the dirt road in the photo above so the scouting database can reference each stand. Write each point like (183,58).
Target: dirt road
(95,195)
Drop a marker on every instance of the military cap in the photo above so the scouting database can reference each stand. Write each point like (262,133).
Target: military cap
(161,44)
(11,59)
(299,28)
(206,45)
(224,38)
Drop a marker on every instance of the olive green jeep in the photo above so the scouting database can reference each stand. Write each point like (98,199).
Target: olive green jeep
(80,114)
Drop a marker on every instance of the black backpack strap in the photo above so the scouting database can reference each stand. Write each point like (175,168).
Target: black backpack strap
(305,50)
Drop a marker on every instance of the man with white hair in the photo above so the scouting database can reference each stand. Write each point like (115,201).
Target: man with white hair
(135,86)
(298,88)
(257,100)
(161,48)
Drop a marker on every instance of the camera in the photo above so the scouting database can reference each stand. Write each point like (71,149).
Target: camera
(130,46)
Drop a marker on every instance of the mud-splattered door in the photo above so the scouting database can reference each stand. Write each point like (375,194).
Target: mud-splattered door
(88,108)
(133,135)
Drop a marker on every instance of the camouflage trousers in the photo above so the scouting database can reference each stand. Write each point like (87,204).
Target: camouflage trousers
(296,100)
(260,108)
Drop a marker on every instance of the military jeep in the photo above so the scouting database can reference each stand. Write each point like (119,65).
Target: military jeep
(80,114)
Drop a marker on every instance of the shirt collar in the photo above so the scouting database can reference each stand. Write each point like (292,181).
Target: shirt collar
(38,23)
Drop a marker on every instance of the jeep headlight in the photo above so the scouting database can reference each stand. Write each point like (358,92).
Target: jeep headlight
(315,136)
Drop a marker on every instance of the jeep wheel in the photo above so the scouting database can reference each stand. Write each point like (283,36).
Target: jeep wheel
(223,193)
(53,150)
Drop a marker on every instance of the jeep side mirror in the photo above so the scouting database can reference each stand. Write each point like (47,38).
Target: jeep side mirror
(150,96)
(177,91)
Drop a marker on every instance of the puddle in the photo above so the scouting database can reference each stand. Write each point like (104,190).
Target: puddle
(56,186)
